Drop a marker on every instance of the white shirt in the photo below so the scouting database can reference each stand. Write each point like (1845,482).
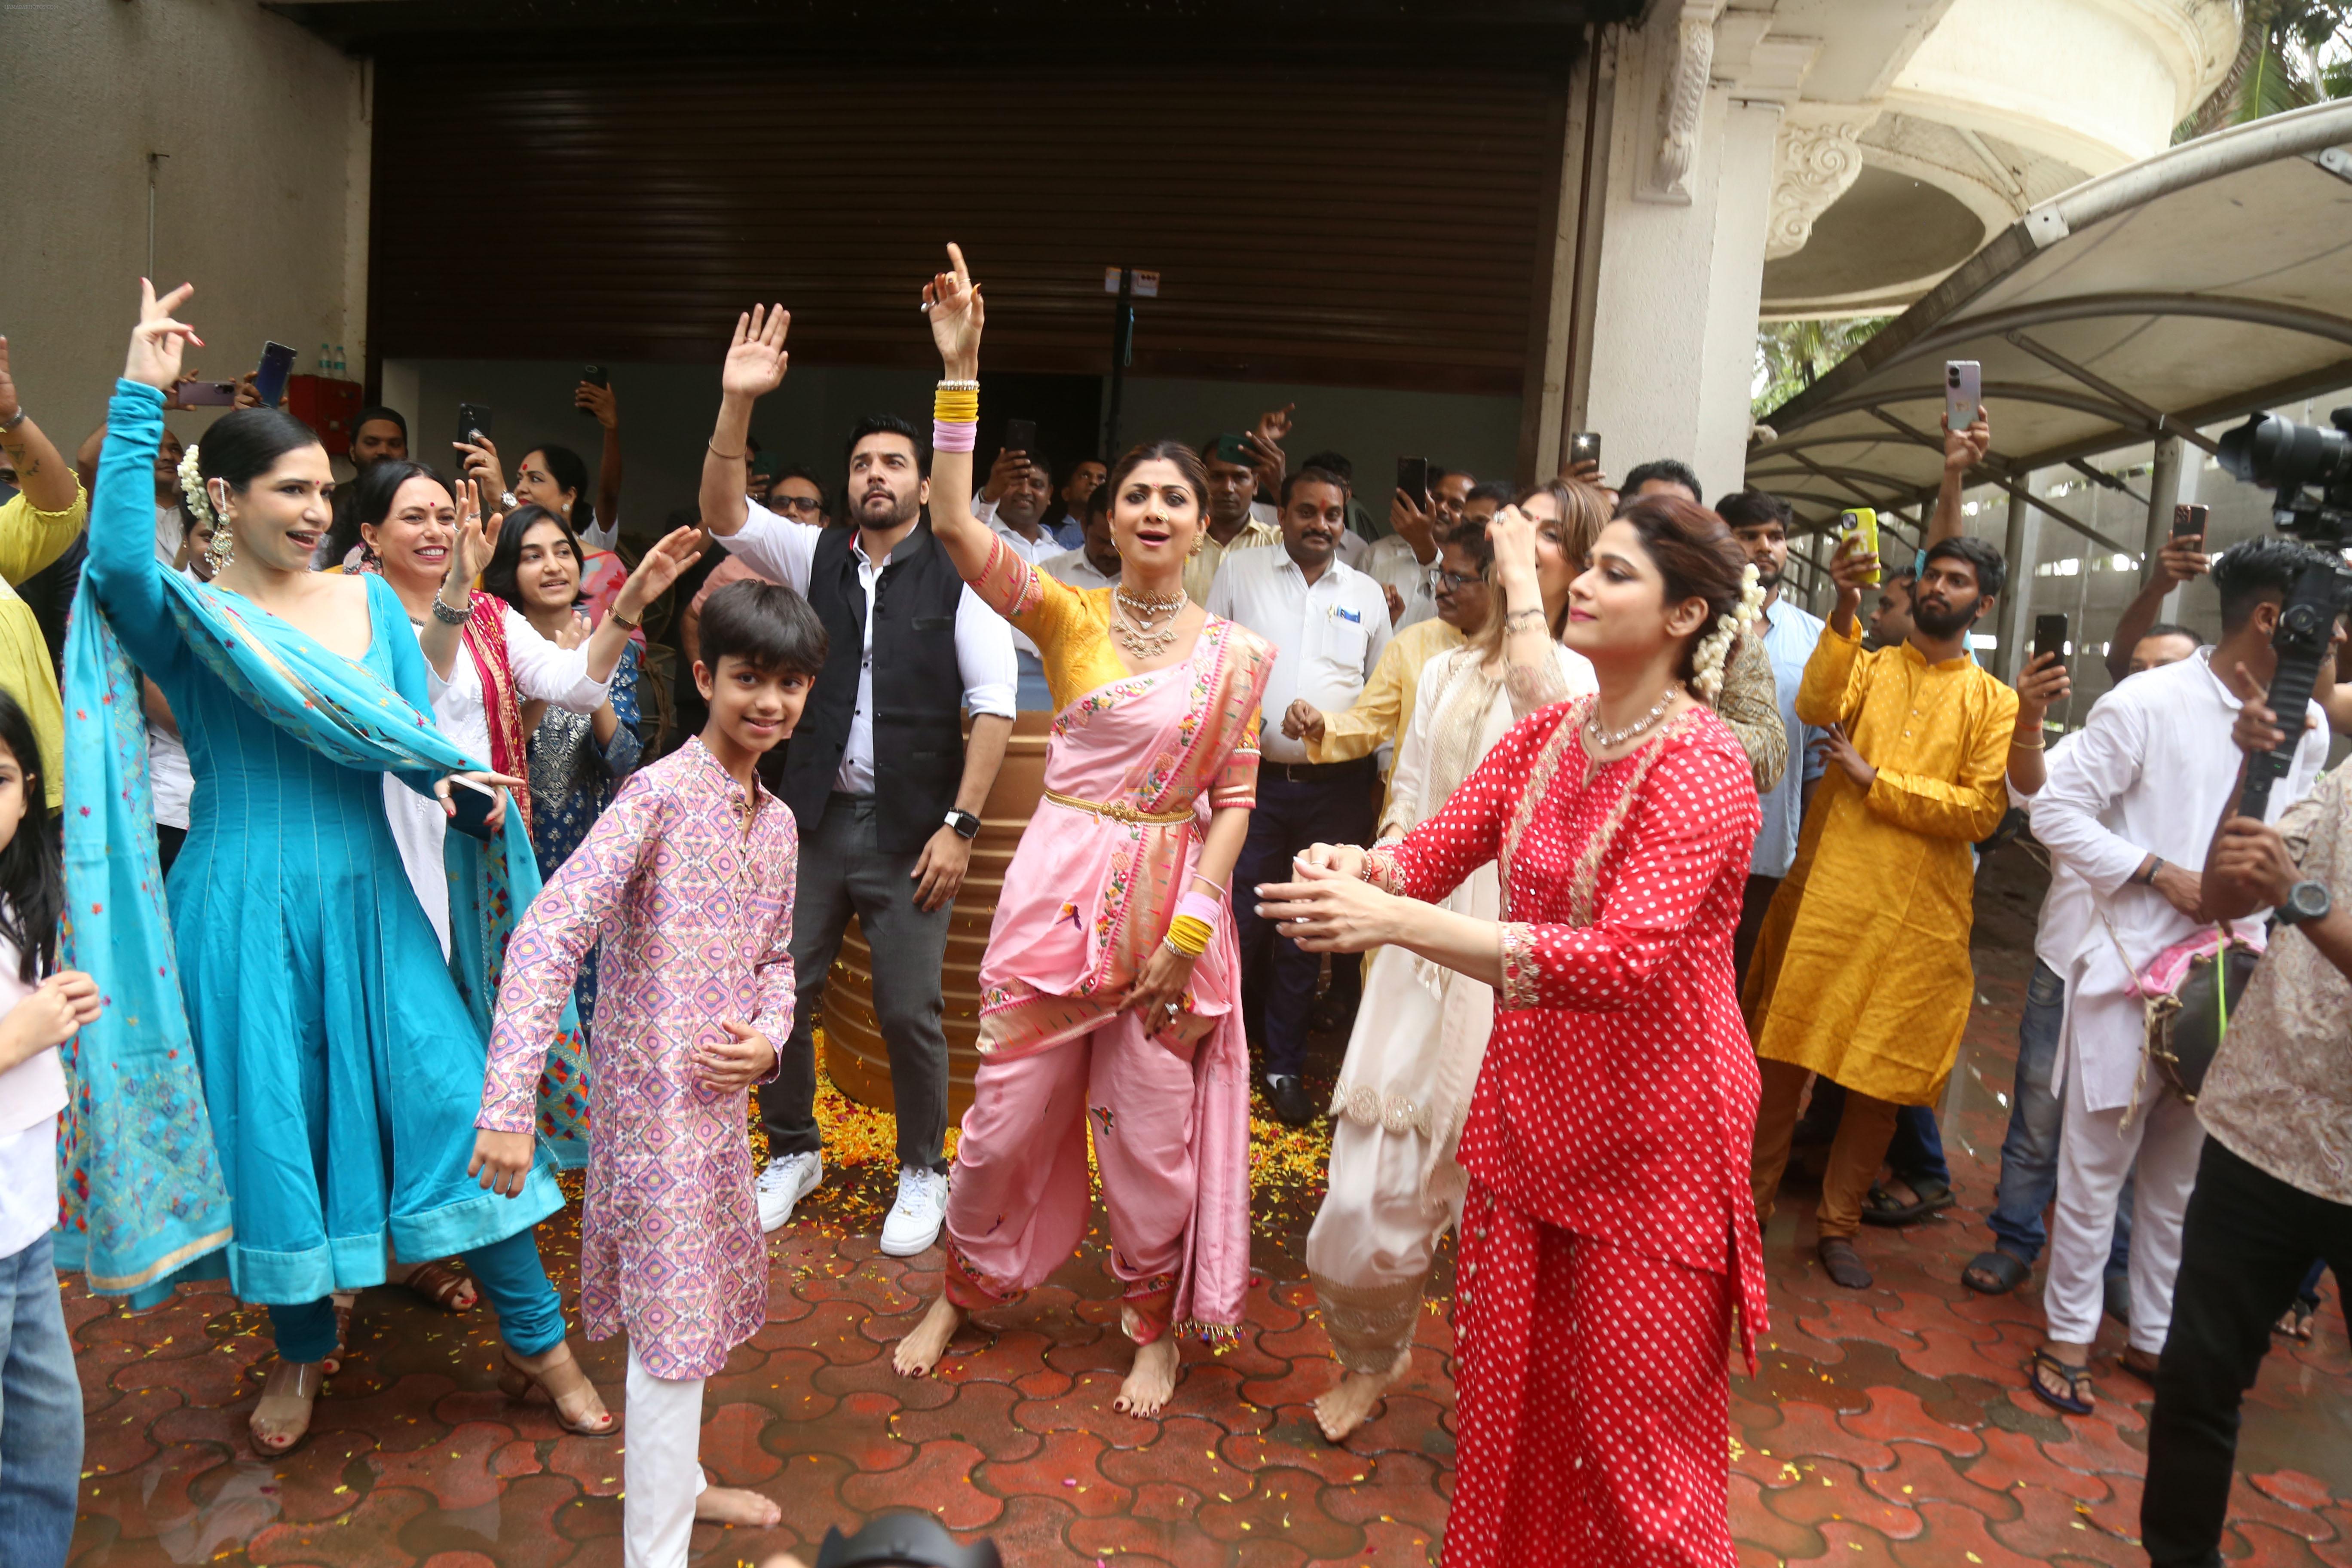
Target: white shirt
(169,532)
(1326,635)
(1036,552)
(1072,569)
(1789,636)
(2147,774)
(543,672)
(783,551)
(31,1094)
(2067,903)
(1392,561)
(169,779)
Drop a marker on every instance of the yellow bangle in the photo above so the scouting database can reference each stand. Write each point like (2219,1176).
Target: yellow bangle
(1189,935)
(956,407)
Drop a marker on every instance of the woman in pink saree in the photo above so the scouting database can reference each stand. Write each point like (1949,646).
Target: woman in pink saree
(1110,992)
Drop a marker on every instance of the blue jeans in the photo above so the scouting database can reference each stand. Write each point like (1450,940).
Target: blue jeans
(530,1317)
(2029,1152)
(1916,1155)
(40,1414)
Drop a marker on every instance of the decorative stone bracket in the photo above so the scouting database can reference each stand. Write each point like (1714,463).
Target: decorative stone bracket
(1816,156)
(1684,32)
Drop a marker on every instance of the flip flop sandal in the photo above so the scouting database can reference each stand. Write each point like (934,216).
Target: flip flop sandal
(2076,1379)
(1843,1264)
(1881,1206)
(2008,1272)
(2294,1324)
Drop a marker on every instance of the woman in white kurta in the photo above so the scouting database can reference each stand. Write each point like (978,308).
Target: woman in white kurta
(1412,1060)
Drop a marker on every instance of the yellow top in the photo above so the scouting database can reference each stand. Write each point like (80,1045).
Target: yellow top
(1202,570)
(31,539)
(1865,979)
(1382,710)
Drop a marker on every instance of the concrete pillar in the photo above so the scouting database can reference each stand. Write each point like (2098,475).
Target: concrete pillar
(2019,546)
(2163,492)
(1685,216)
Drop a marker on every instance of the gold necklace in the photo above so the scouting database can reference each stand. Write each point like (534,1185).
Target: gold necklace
(1149,607)
(1144,636)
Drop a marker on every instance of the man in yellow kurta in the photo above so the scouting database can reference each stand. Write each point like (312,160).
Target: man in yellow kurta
(1861,971)
(37,524)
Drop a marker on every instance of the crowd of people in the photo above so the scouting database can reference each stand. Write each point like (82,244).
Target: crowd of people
(409,865)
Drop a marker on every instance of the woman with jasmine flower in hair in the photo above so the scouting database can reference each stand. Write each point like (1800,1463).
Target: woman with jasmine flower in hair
(1608,1235)
(1413,1056)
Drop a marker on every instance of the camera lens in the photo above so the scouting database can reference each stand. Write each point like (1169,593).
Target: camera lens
(2275,453)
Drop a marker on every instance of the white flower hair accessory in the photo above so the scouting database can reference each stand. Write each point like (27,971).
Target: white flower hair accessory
(1715,649)
(193,494)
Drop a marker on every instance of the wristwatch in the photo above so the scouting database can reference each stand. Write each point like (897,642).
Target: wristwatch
(2307,900)
(966,825)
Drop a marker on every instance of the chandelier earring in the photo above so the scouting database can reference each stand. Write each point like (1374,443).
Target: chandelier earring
(223,547)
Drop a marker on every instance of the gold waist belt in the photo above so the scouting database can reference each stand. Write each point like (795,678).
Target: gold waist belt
(1115,810)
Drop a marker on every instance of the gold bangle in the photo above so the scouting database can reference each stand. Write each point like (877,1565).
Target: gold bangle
(627,624)
(2035,745)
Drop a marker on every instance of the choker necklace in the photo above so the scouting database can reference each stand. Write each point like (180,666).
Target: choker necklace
(1149,607)
(1610,739)
(1143,625)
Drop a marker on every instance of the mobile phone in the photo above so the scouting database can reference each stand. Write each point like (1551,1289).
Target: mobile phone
(1584,446)
(1963,393)
(1412,479)
(473,422)
(206,393)
(1020,436)
(594,375)
(1233,449)
(270,376)
(2049,636)
(2188,519)
(1861,526)
(473,802)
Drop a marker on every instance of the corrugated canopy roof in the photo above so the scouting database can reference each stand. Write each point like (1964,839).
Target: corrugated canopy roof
(2210,280)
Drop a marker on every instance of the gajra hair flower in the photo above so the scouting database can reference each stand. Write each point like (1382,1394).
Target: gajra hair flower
(1714,650)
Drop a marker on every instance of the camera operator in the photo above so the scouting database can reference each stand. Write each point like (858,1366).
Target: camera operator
(2274,1185)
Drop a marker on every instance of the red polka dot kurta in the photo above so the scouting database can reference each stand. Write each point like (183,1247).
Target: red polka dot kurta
(1608,1231)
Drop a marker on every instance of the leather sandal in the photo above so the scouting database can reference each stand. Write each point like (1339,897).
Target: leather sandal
(282,1419)
(2076,1379)
(1882,1208)
(578,1407)
(2005,1272)
(442,1282)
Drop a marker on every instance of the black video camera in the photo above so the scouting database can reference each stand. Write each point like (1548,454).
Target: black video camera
(2295,461)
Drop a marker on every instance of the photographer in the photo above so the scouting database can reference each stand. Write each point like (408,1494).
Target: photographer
(2274,1185)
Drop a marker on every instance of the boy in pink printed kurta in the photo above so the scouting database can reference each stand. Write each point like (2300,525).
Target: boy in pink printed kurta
(687,878)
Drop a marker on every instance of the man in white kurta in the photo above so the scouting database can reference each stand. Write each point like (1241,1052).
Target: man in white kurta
(2129,807)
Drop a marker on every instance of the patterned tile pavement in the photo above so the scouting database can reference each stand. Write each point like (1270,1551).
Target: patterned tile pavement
(1891,1426)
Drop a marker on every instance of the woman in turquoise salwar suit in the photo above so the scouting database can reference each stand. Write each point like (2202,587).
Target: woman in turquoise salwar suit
(337,1065)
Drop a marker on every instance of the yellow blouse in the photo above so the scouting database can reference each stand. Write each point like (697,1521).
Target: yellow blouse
(31,539)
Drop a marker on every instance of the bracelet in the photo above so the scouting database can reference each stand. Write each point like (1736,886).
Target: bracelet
(956,407)
(614,614)
(1222,890)
(971,386)
(1533,615)
(448,614)
(954,436)
(1201,907)
(14,420)
(2035,745)
(2155,864)
(725,457)
(1187,937)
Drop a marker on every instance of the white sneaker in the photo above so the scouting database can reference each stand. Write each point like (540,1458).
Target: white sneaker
(914,1221)
(788,1179)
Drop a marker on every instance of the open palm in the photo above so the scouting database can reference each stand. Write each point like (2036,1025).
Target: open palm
(476,536)
(665,562)
(756,359)
(952,301)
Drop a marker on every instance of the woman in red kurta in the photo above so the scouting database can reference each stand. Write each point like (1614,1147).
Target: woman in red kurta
(1608,1231)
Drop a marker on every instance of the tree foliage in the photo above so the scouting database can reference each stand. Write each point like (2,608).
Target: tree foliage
(1791,355)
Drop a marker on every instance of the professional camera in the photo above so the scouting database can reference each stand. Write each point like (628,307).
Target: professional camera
(2292,460)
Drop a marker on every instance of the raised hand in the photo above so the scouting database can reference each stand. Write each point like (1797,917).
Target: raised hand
(1964,449)
(1002,472)
(9,404)
(1512,533)
(952,299)
(158,341)
(476,536)
(2042,685)
(1268,461)
(574,632)
(1275,423)
(756,359)
(2183,558)
(598,401)
(480,461)
(662,565)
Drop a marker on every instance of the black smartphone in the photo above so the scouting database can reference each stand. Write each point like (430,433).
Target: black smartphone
(594,375)
(269,377)
(2049,636)
(1412,479)
(1020,436)
(473,422)
(2188,519)
(206,393)
(1584,446)
(473,802)
(1233,448)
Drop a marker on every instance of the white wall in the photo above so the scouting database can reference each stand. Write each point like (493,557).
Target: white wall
(667,412)
(261,201)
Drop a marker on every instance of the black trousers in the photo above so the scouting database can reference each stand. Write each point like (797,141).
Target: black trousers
(1277,979)
(2247,1244)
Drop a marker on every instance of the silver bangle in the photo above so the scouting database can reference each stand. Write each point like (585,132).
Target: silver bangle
(18,418)
(959,386)
(448,615)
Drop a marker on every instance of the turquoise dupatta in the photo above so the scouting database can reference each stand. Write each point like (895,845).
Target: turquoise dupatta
(143,1197)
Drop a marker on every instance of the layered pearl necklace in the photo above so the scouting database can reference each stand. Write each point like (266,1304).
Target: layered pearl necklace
(1144,623)
(1609,739)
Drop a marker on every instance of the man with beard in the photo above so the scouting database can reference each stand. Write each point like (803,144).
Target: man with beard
(1231,488)
(1861,973)
(886,789)
(1331,624)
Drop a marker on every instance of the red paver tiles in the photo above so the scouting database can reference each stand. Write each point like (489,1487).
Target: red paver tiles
(1888,1426)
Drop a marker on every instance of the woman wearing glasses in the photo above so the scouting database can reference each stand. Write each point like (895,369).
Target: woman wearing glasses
(1404,1089)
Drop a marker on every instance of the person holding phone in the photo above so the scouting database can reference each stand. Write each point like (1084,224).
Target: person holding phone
(314,1069)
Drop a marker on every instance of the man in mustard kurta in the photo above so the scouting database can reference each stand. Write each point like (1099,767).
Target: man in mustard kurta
(1861,971)
(37,524)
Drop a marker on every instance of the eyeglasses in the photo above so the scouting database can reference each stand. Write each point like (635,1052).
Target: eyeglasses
(1442,581)
(807,505)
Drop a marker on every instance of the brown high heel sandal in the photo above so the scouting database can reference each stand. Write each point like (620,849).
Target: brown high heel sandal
(562,1381)
(282,1419)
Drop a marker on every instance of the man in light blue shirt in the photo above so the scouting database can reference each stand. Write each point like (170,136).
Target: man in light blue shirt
(1761,523)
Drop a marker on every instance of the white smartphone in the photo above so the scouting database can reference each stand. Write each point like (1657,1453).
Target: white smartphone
(1963,393)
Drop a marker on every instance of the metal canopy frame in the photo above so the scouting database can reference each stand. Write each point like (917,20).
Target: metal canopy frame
(1945,325)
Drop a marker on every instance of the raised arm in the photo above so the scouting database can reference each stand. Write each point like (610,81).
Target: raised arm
(600,402)
(952,299)
(1963,450)
(2181,560)
(43,475)
(753,368)
(122,570)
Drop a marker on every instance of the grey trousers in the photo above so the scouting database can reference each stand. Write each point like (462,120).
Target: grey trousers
(843,871)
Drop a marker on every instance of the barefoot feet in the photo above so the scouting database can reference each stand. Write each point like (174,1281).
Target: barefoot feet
(920,1350)
(1350,1403)
(1153,1378)
(733,1505)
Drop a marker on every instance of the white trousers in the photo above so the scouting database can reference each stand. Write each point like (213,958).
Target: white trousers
(1371,1248)
(662,1470)
(2095,1151)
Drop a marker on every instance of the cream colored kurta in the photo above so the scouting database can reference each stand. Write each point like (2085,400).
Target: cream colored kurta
(1861,971)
